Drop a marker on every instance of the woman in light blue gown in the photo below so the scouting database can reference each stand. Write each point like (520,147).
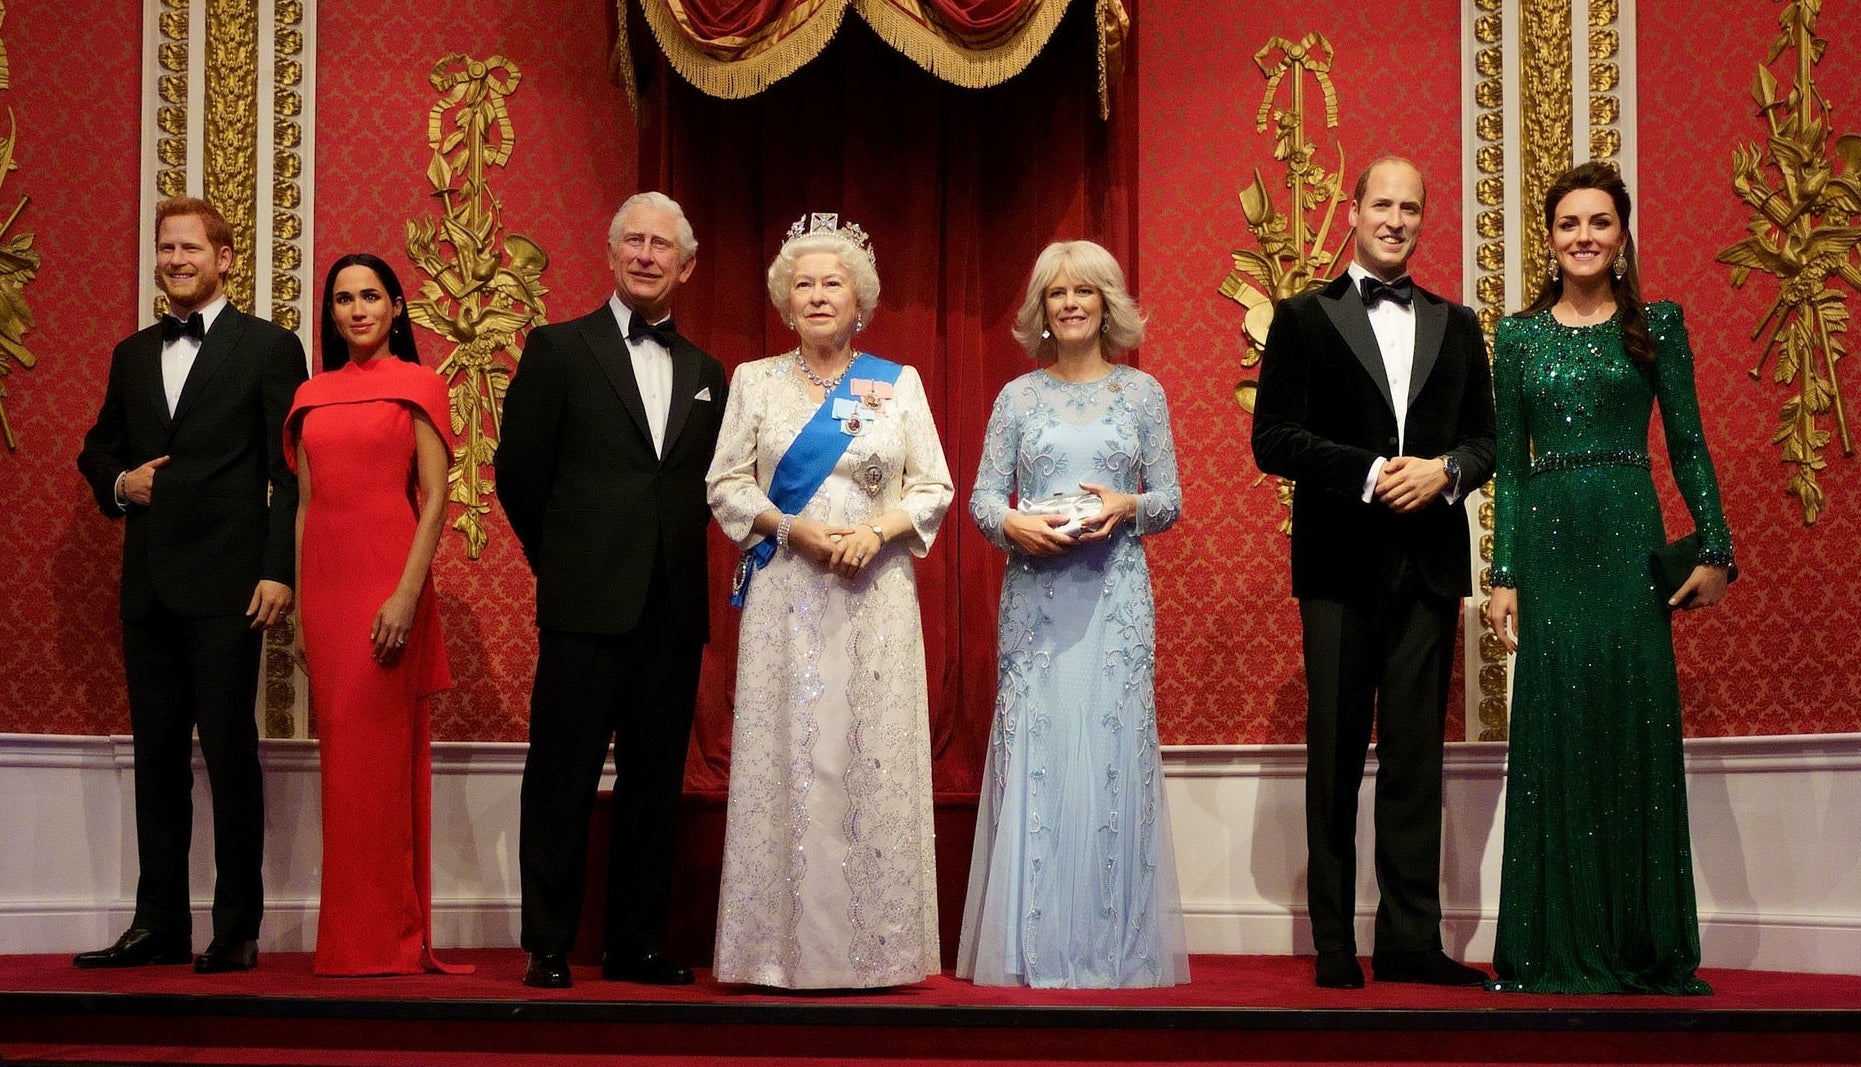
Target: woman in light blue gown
(1073,879)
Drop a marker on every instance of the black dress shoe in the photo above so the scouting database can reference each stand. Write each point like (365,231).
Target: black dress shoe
(548,970)
(1339,970)
(225,954)
(653,968)
(1427,968)
(138,947)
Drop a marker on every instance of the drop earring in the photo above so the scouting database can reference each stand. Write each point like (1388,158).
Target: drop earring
(1550,272)
(1046,334)
(1621,265)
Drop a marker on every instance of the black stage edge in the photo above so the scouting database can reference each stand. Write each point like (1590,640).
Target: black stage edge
(976,1032)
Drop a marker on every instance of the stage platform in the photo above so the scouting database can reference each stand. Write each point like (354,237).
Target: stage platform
(1239,1009)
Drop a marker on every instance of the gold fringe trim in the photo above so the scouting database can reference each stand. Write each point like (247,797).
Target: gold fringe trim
(735,68)
(945,56)
(620,60)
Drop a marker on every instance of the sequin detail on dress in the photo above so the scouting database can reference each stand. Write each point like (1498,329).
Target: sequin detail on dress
(1596,889)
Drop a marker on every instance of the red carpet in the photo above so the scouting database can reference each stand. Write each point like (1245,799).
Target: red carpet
(1257,1009)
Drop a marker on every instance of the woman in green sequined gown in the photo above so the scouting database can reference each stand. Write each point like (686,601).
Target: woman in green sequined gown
(1596,889)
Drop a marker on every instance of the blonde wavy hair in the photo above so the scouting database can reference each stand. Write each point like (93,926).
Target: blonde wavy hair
(1087,262)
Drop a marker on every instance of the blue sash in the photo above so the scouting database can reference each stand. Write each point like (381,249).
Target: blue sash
(809,460)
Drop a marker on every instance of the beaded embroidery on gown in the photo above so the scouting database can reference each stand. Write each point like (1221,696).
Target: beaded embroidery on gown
(1596,890)
(1073,878)
(829,879)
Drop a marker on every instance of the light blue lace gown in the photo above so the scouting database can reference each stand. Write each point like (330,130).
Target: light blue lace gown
(1073,879)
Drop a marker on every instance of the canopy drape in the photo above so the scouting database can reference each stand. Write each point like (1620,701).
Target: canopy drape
(959,189)
(737,48)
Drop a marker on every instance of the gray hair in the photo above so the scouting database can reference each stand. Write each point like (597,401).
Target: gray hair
(1087,262)
(857,262)
(687,241)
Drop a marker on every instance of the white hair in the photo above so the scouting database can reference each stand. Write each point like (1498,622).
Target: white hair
(856,260)
(687,241)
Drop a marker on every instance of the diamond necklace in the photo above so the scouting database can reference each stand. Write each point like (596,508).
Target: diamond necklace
(826,384)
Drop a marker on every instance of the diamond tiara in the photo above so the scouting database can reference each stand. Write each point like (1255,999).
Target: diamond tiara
(829,222)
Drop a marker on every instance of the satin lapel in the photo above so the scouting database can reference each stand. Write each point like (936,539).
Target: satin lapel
(220,344)
(1347,313)
(1430,329)
(684,389)
(149,366)
(602,335)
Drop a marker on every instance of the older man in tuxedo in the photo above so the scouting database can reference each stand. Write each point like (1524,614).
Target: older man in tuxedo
(188,449)
(1376,399)
(608,431)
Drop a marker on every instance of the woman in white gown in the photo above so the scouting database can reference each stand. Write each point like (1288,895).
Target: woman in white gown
(830,476)
(1073,879)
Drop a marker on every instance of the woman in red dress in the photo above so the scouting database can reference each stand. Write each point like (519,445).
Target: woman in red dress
(369,440)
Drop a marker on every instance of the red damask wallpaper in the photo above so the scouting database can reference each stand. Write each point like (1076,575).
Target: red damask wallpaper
(1779,655)
(76,136)
(1228,659)
(1775,659)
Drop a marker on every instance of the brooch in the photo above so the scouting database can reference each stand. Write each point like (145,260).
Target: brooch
(869,474)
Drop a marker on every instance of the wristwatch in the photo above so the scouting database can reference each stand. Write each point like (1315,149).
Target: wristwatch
(1452,467)
(877,531)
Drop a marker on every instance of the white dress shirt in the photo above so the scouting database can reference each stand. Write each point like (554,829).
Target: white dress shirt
(178,355)
(1394,326)
(652,370)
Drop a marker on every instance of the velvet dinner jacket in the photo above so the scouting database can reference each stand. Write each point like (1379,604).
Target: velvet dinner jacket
(1323,414)
(223,511)
(589,500)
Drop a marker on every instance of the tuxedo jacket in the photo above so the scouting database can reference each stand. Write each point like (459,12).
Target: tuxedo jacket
(223,511)
(588,498)
(1323,414)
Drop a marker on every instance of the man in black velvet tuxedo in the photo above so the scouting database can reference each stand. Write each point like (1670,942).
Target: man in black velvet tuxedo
(609,427)
(1376,398)
(188,449)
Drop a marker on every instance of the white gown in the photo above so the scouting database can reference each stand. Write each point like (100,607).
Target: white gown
(829,879)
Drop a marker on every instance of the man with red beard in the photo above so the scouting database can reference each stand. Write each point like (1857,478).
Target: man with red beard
(188,449)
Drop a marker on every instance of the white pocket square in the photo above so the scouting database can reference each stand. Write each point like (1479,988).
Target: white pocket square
(703,394)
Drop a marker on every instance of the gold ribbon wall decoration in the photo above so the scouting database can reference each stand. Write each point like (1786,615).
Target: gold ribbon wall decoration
(487,291)
(19,264)
(1804,190)
(1292,256)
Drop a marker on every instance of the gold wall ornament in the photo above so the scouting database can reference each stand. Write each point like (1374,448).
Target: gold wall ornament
(1292,256)
(19,264)
(488,291)
(1489,303)
(1804,190)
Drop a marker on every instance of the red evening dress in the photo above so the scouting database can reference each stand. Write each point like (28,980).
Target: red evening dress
(357,429)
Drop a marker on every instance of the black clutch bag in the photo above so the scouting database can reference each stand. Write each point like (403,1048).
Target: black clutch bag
(1674,563)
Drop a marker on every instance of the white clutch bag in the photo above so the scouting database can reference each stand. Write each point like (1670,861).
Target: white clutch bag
(1075,508)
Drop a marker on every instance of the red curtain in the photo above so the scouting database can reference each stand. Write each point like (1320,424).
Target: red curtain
(959,189)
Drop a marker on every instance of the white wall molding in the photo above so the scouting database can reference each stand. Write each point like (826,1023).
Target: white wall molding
(1778,887)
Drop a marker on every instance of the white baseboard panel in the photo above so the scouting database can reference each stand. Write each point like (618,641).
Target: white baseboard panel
(1773,820)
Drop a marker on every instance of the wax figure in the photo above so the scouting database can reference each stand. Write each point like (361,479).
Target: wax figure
(188,449)
(1375,398)
(1596,889)
(369,439)
(1073,879)
(829,475)
(609,426)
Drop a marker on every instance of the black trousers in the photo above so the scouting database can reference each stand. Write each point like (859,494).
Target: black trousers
(187,673)
(638,690)
(1384,662)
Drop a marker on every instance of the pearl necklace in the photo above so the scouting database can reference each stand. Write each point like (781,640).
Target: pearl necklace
(826,384)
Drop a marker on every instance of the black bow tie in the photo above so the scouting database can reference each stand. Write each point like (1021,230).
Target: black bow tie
(663,331)
(174,329)
(1402,291)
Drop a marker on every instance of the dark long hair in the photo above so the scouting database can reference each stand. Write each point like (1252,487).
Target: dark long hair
(1627,288)
(400,328)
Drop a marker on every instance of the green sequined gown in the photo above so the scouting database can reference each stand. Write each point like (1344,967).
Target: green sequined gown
(1596,890)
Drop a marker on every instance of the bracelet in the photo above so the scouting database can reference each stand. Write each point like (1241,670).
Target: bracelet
(781,531)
